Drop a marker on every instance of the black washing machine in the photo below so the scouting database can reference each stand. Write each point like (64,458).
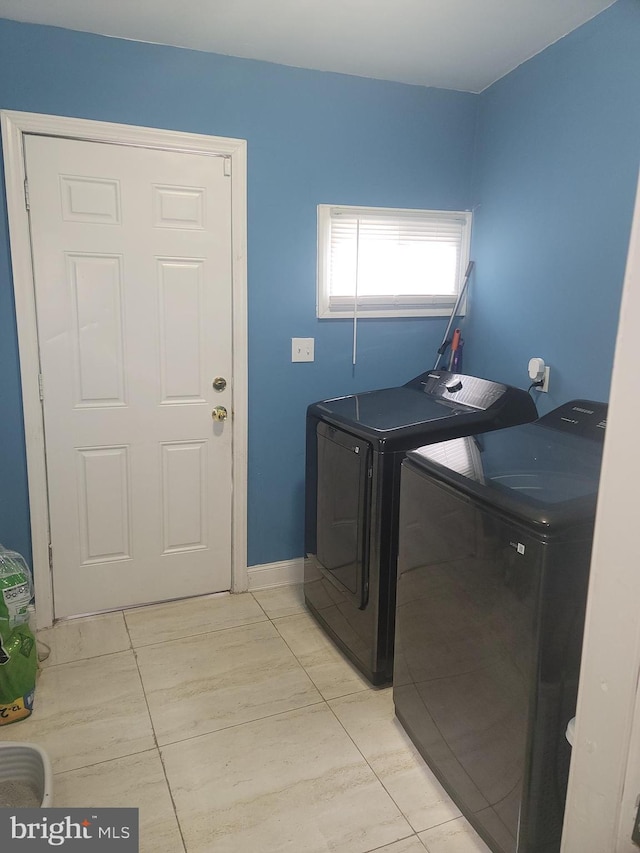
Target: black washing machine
(495,538)
(355,446)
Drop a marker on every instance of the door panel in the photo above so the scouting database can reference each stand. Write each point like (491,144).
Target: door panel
(96,333)
(184,470)
(103,504)
(181,285)
(132,266)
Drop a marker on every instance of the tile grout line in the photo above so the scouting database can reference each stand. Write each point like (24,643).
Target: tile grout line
(43,669)
(274,620)
(259,605)
(236,627)
(104,761)
(299,662)
(219,630)
(342,695)
(386,846)
(155,738)
(413,834)
(200,634)
(392,798)
(321,701)
(365,759)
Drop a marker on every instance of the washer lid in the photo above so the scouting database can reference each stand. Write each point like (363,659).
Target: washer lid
(539,474)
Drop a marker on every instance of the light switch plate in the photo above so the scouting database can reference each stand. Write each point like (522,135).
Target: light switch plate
(302,349)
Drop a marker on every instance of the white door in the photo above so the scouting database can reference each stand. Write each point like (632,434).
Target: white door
(132,264)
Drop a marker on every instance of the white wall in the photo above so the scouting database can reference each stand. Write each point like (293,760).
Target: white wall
(605,771)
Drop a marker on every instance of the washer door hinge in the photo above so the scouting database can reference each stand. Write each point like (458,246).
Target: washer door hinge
(26,194)
(50,556)
(41,386)
(227,167)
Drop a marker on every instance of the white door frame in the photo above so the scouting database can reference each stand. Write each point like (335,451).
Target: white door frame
(14,125)
(604,782)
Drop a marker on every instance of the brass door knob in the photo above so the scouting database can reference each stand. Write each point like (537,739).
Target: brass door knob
(219,413)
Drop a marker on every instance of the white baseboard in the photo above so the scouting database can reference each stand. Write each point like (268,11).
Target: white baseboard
(276,574)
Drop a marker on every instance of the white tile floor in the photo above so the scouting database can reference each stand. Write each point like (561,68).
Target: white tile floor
(234,725)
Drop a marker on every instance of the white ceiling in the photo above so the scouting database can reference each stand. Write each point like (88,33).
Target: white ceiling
(452,44)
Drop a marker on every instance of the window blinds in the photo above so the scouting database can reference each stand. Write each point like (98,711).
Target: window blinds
(392,257)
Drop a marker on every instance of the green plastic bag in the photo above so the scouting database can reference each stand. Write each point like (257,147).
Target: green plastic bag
(18,654)
(16,588)
(18,668)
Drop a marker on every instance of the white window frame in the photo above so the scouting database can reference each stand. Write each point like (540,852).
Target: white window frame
(382,306)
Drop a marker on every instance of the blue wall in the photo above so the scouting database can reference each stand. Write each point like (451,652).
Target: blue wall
(312,138)
(556,173)
(556,160)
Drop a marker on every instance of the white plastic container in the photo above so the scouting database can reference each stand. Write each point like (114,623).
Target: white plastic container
(26,764)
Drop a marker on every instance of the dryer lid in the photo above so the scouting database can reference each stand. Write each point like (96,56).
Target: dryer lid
(429,405)
(390,408)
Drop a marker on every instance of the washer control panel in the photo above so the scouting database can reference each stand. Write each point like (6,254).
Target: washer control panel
(579,417)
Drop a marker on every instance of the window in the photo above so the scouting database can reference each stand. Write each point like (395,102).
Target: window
(383,262)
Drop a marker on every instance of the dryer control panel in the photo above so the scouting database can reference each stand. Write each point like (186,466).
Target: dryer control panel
(459,388)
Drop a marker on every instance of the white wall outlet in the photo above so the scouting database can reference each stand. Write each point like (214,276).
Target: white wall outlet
(302,349)
(545,383)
